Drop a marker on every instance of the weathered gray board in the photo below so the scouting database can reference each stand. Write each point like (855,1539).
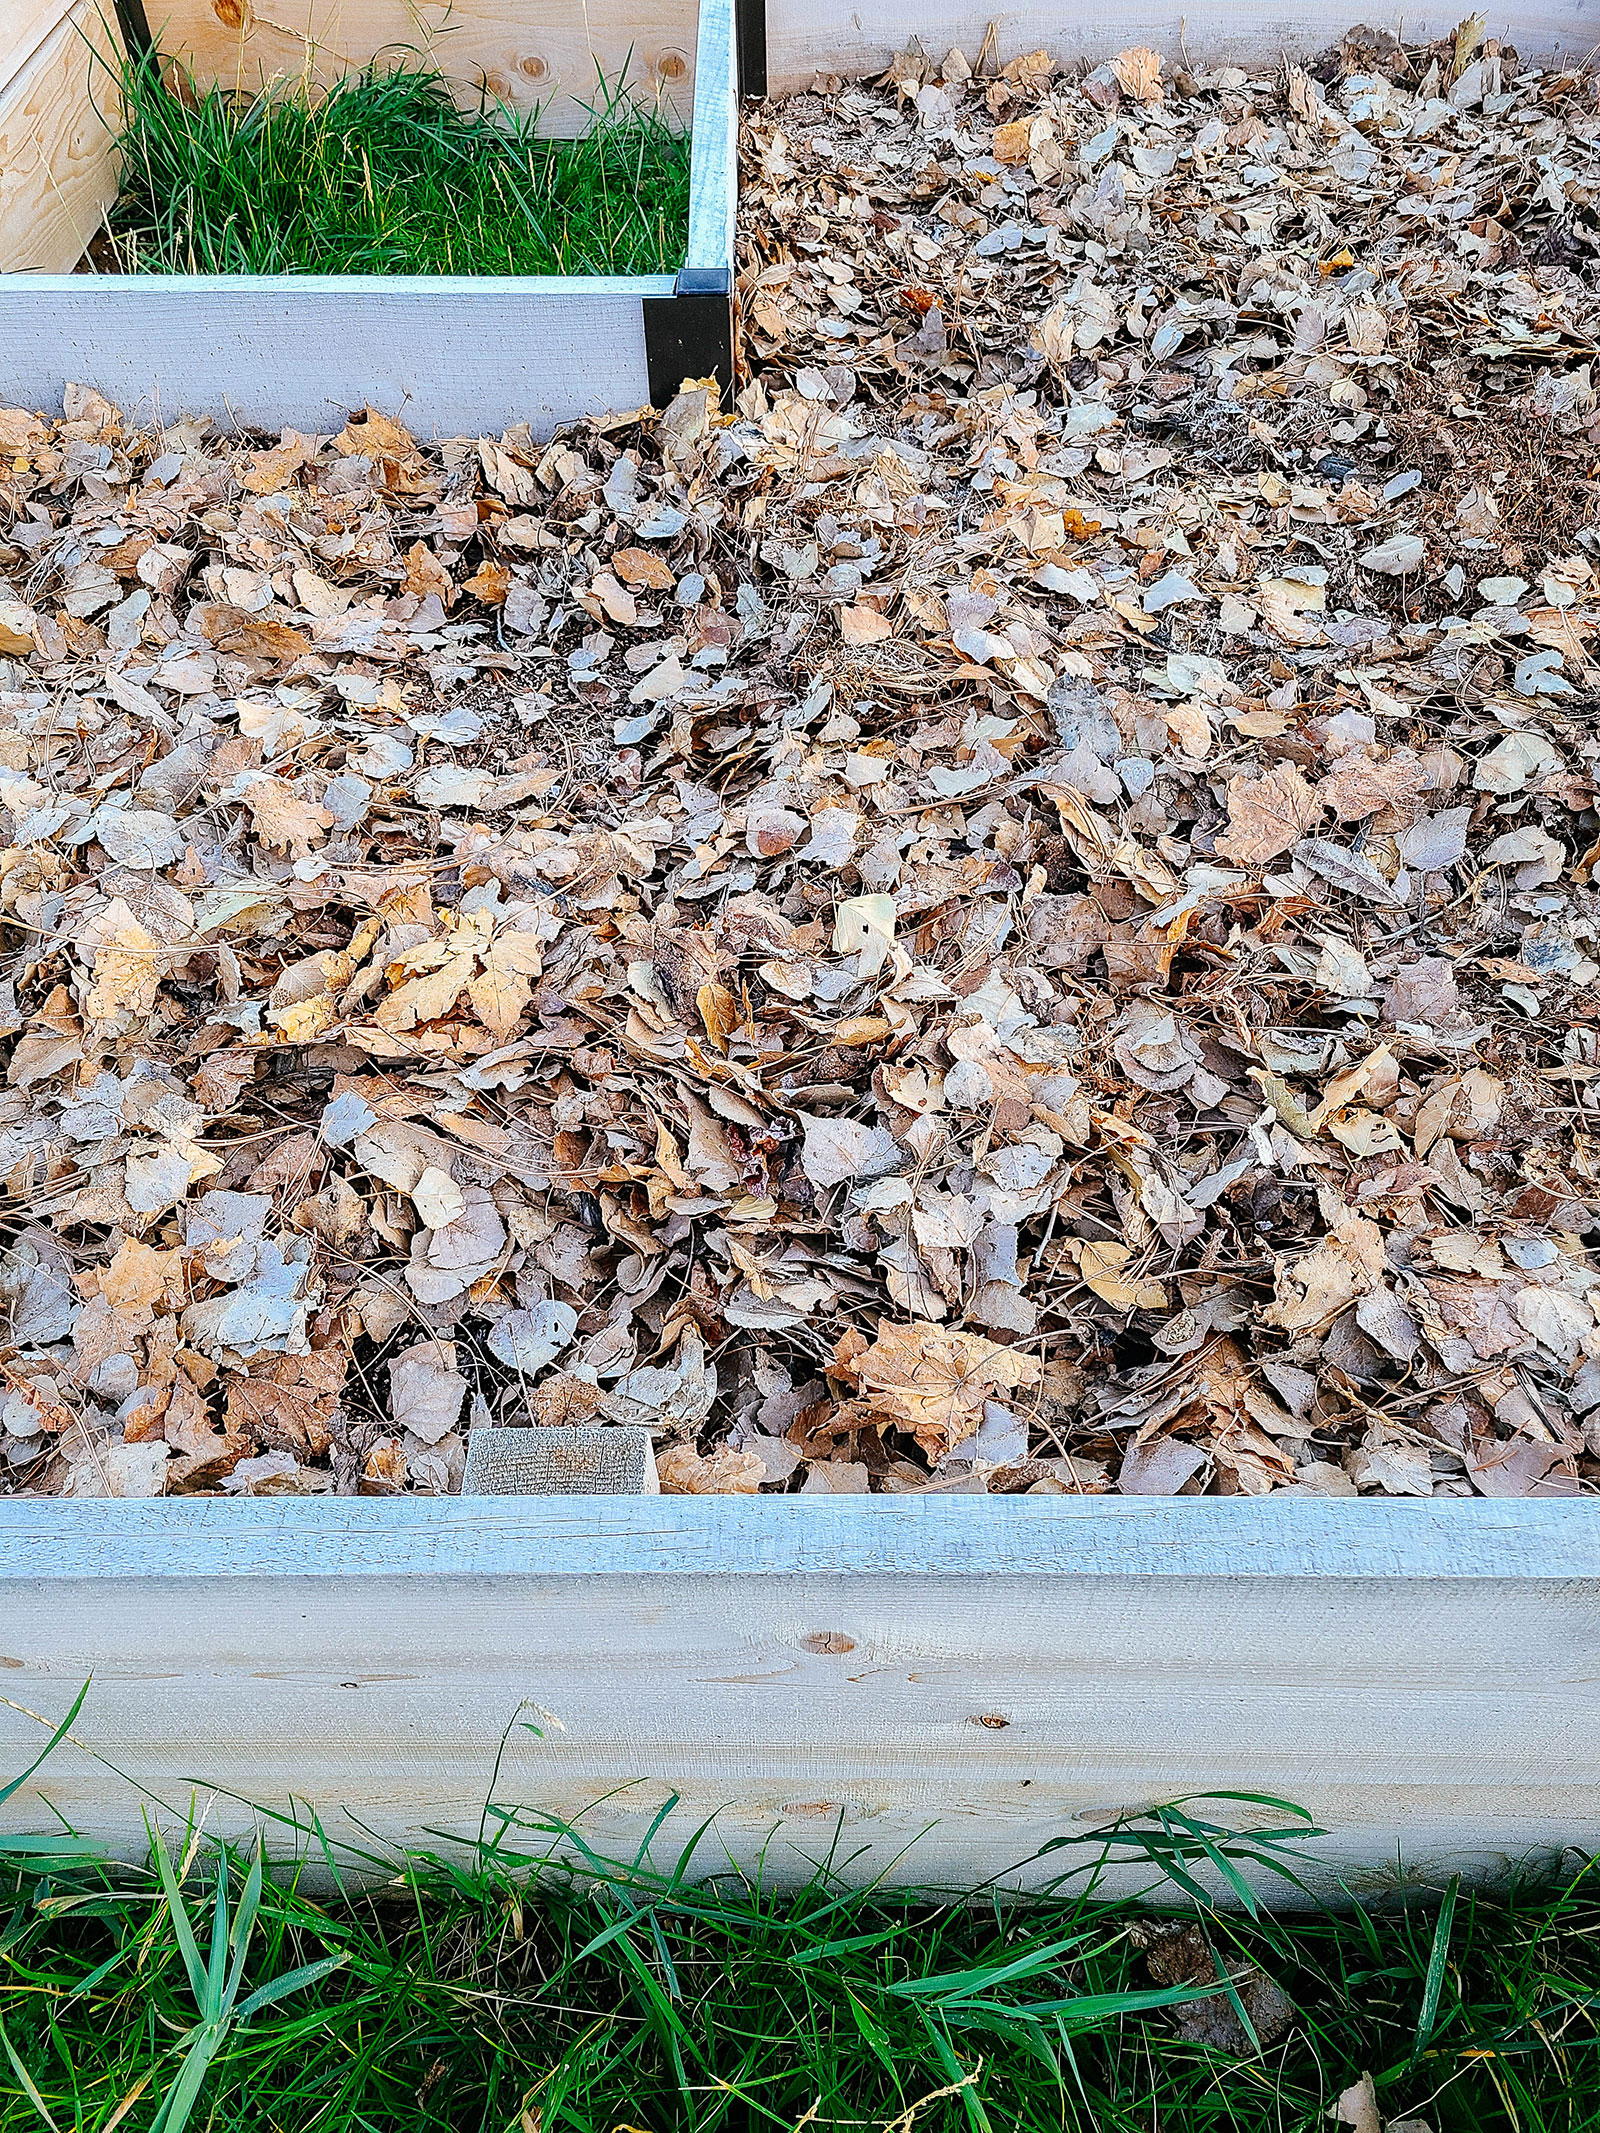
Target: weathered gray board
(448,356)
(850,37)
(825,1673)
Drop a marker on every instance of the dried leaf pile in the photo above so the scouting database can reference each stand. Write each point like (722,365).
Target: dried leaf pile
(1011,911)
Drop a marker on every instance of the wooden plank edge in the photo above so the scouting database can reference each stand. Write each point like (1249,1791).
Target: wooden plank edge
(447,357)
(58,119)
(808,37)
(31,26)
(298,287)
(714,140)
(691,335)
(914,1537)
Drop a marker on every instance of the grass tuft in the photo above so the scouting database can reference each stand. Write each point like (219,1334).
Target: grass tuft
(517,1987)
(384,174)
(474,1998)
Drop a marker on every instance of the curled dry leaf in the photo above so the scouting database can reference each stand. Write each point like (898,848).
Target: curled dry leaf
(685,1472)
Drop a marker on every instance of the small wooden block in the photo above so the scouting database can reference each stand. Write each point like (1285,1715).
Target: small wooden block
(560,1461)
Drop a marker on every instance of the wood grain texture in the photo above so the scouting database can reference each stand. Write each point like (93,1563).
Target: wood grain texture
(807,37)
(58,171)
(545,53)
(846,1537)
(24,25)
(714,153)
(447,357)
(820,1674)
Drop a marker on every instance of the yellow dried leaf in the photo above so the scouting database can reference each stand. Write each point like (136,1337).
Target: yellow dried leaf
(1103,1267)
(864,625)
(426,574)
(1138,72)
(375,436)
(128,965)
(490,583)
(615,600)
(685,1472)
(637,566)
(305,1020)
(284,819)
(719,1012)
(270,470)
(492,968)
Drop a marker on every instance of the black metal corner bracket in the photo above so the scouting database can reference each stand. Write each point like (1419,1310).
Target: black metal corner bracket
(689,334)
(750,39)
(135,27)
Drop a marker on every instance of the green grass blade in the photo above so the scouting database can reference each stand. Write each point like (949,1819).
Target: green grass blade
(1438,1956)
(182,1930)
(291,1981)
(50,1745)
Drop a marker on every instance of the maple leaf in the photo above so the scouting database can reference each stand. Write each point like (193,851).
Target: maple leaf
(274,469)
(490,583)
(426,574)
(288,1402)
(1138,71)
(491,967)
(685,1472)
(128,968)
(284,820)
(1266,815)
(376,436)
(932,1381)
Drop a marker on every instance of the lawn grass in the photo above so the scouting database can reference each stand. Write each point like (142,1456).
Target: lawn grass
(609,1997)
(383,174)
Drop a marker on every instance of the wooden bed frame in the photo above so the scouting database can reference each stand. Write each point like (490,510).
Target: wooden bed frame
(967,1677)
(928,1688)
(447,355)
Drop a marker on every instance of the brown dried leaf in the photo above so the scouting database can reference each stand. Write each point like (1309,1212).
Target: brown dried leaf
(932,1381)
(1267,814)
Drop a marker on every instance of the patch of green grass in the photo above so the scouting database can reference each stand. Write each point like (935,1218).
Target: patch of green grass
(383,174)
(602,1997)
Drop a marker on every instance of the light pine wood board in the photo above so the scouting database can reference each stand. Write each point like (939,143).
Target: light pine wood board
(447,357)
(549,53)
(808,37)
(24,25)
(58,171)
(819,1675)
(714,159)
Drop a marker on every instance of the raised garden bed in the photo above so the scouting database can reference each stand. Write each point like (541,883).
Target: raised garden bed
(995,926)
(459,354)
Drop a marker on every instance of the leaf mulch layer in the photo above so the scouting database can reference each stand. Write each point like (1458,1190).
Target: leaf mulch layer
(1010,911)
